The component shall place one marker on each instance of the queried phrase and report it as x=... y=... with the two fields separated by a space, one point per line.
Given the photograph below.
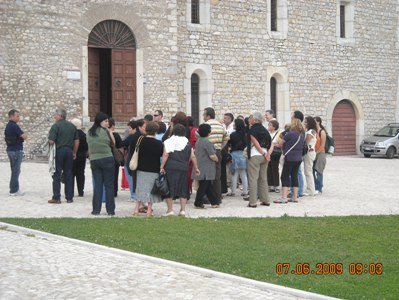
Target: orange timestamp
x=286 y=268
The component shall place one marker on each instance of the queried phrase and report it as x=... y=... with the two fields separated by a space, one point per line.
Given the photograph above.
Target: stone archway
x=128 y=16
x=282 y=109
x=205 y=88
x=112 y=70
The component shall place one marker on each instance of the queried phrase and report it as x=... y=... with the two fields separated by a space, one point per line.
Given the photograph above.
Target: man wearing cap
x=65 y=137
x=14 y=138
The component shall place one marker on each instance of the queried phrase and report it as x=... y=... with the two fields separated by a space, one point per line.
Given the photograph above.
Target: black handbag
x=160 y=186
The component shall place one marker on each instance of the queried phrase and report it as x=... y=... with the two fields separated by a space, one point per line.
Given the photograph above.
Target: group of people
x=249 y=151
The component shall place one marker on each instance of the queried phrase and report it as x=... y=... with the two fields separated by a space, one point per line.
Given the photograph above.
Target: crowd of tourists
x=248 y=155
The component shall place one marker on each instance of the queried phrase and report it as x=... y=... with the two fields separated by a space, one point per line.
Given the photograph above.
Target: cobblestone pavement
x=35 y=265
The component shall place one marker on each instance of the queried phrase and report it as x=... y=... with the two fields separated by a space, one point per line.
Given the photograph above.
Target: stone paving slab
x=36 y=265
x=353 y=186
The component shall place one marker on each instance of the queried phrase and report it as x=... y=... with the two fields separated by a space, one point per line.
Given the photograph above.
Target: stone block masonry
x=43 y=59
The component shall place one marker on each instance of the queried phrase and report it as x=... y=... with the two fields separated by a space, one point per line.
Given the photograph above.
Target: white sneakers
x=18 y=193
x=182 y=213
x=169 y=214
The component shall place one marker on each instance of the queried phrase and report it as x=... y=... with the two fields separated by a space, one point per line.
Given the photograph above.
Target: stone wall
x=43 y=42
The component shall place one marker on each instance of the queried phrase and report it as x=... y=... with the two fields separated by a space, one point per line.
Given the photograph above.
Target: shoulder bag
x=135 y=157
x=117 y=154
x=299 y=137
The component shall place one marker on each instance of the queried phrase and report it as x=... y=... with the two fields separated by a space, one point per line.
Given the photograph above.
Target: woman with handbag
x=273 y=176
x=102 y=163
x=175 y=159
x=149 y=151
x=292 y=145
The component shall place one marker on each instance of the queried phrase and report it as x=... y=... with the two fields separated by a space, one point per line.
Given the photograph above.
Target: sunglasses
x=156 y=115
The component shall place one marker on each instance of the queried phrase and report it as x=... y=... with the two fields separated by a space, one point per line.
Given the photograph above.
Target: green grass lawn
x=252 y=247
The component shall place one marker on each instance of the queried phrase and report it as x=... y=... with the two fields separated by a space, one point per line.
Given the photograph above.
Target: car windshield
x=388 y=131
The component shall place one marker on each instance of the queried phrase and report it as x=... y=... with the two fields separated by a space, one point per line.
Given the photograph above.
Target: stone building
x=337 y=59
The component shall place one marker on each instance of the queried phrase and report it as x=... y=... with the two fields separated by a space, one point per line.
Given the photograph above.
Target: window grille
x=195 y=11
x=342 y=21
x=111 y=34
x=273 y=15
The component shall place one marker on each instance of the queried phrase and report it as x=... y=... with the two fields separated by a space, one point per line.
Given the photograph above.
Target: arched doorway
x=344 y=128
x=112 y=71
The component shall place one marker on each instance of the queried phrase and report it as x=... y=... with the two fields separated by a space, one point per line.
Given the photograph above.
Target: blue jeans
x=300 y=183
x=103 y=175
x=63 y=163
x=130 y=181
x=318 y=181
x=15 y=164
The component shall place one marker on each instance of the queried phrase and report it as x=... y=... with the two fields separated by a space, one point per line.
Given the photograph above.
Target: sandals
x=252 y=206
x=281 y=201
x=265 y=203
x=202 y=206
x=143 y=209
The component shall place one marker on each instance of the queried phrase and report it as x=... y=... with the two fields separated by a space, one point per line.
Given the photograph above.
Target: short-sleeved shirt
x=63 y=133
x=218 y=134
x=12 y=134
x=289 y=140
x=203 y=149
x=237 y=141
x=260 y=133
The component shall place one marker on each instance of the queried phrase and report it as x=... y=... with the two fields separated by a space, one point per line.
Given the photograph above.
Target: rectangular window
x=195 y=11
x=273 y=15
x=342 y=21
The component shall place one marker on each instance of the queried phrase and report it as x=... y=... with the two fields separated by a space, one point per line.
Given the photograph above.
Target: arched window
x=111 y=34
x=273 y=95
x=195 y=11
x=195 y=84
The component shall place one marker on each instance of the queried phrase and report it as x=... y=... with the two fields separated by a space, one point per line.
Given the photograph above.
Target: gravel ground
x=353 y=185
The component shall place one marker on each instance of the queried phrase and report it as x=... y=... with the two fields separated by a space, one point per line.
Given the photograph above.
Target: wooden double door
x=112 y=83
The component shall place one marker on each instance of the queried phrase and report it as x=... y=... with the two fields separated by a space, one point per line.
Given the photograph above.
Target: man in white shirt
x=228 y=123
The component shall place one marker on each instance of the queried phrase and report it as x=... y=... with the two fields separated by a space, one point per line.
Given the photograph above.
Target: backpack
x=329 y=145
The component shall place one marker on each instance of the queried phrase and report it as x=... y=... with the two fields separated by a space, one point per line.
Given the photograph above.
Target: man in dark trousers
x=65 y=137
x=14 y=138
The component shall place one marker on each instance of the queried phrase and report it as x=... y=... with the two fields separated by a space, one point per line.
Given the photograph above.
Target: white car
x=384 y=143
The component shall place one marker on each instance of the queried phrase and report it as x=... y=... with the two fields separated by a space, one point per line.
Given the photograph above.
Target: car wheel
x=367 y=155
x=390 y=152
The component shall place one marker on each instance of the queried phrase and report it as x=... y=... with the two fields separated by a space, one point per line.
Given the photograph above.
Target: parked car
x=384 y=143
